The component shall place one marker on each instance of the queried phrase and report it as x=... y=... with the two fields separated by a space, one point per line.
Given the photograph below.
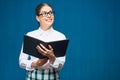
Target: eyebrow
x=46 y=11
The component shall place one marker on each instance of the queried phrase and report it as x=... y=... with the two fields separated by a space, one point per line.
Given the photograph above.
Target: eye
x=45 y=13
x=51 y=12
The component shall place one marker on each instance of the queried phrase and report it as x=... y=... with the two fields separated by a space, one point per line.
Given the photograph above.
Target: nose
x=48 y=15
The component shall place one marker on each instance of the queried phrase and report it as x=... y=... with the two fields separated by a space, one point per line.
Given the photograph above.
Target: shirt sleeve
x=24 y=62
x=59 y=63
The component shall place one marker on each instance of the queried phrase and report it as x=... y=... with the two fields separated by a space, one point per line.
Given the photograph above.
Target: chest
x=47 y=37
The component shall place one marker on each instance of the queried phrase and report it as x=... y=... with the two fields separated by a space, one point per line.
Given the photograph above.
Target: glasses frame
x=45 y=14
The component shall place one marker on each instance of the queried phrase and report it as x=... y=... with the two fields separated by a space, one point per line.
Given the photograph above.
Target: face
x=46 y=17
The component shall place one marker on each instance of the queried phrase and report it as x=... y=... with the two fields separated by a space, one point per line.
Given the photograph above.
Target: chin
x=49 y=24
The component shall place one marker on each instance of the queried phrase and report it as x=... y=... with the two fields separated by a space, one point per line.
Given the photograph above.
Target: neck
x=45 y=27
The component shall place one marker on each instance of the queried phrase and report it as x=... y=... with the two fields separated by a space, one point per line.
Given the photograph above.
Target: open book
x=30 y=43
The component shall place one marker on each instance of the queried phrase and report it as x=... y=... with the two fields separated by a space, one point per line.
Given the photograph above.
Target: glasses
x=45 y=14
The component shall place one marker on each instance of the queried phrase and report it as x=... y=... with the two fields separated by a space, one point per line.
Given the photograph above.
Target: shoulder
x=60 y=34
x=32 y=32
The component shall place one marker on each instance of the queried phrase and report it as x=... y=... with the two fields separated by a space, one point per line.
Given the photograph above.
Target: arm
x=54 y=62
x=32 y=63
x=24 y=62
x=59 y=63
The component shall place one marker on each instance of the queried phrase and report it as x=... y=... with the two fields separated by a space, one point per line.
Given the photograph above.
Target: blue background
x=93 y=27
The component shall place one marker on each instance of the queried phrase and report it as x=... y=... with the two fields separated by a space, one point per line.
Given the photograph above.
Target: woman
x=47 y=68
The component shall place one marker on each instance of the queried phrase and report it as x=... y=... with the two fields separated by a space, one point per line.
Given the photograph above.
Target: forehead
x=46 y=8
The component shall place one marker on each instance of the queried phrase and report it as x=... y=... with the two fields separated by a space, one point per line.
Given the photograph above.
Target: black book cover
x=30 y=43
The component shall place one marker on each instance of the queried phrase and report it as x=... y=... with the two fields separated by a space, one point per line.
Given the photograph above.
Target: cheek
x=42 y=20
x=53 y=19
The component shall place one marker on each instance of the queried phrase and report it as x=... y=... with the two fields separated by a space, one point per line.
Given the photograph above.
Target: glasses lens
x=46 y=13
x=50 y=13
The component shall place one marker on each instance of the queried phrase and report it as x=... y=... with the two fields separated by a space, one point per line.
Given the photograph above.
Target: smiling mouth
x=49 y=20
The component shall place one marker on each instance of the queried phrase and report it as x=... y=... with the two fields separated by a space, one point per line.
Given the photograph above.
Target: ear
x=37 y=18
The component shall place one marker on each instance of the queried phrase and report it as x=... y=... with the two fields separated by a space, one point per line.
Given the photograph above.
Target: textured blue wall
x=93 y=27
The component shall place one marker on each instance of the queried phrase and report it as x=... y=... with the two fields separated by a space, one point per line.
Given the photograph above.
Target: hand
x=46 y=52
x=39 y=62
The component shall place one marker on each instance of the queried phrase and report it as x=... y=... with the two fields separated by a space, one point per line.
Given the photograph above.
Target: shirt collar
x=46 y=32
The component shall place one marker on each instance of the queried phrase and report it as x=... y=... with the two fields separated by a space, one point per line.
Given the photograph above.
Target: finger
x=44 y=47
x=39 y=61
x=38 y=48
x=44 y=60
x=50 y=47
x=41 y=50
